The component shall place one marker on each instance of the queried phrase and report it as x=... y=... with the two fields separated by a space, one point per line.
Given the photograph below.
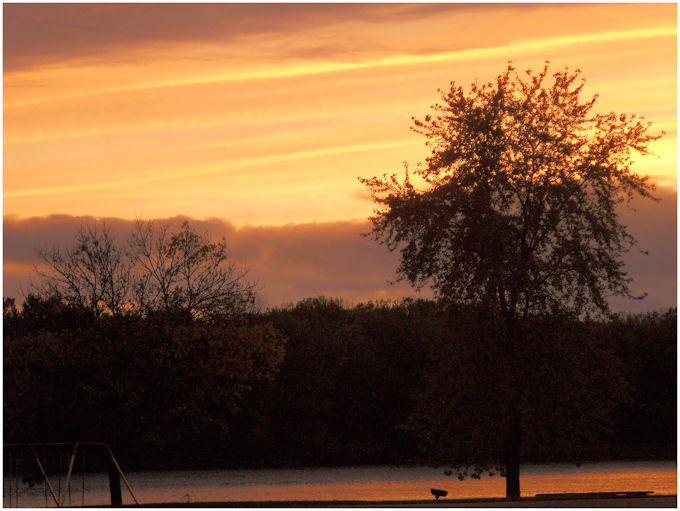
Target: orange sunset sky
x=256 y=120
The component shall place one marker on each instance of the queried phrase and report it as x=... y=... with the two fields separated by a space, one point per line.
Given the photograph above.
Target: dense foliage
x=571 y=382
x=171 y=390
x=153 y=387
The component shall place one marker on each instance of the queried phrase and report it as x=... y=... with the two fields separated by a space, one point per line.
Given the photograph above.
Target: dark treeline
x=317 y=383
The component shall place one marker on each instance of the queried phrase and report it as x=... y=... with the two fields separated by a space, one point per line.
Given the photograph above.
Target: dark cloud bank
x=333 y=259
x=46 y=33
x=289 y=262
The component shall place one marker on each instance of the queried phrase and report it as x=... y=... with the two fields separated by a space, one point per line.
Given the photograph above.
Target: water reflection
x=356 y=483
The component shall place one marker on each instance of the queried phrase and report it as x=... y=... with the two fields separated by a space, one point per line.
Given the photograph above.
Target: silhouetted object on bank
x=514 y=213
x=438 y=493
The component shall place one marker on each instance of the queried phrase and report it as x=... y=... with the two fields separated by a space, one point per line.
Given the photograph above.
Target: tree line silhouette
x=320 y=383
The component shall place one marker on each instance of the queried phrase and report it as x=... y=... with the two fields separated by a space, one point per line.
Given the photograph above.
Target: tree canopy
x=159 y=268
x=518 y=203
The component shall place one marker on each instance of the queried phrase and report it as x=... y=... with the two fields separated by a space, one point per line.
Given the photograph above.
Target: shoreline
x=652 y=501
x=406 y=464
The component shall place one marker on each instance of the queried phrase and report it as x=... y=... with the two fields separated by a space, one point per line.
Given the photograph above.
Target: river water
x=347 y=483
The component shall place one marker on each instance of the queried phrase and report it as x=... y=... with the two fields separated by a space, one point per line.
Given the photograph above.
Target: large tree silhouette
x=515 y=211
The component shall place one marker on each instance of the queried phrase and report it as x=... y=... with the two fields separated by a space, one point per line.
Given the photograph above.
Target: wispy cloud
x=299 y=69
x=168 y=175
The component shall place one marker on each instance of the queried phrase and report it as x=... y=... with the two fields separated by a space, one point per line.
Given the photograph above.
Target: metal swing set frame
x=60 y=499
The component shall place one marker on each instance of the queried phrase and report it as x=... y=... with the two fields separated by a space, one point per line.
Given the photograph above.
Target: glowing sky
x=255 y=121
x=267 y=114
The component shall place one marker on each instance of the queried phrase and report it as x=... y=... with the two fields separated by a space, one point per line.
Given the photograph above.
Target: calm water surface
x=353 y=483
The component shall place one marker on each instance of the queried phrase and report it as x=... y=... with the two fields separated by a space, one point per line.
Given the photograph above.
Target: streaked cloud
x=302 y=69
x=249 y=162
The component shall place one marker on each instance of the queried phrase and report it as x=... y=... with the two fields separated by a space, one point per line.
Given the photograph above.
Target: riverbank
x=655 y=501
x=361 y=486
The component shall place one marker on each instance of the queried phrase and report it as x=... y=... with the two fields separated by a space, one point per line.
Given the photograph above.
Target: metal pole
x=61 y=456
x=68 y=474
x=16 y=480
x=11 y=474
x=47 y=481
x=82 y=475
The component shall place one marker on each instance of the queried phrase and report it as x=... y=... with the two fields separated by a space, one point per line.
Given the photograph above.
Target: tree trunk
x=512 y=475
x=513 y=446
x=513 y=432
